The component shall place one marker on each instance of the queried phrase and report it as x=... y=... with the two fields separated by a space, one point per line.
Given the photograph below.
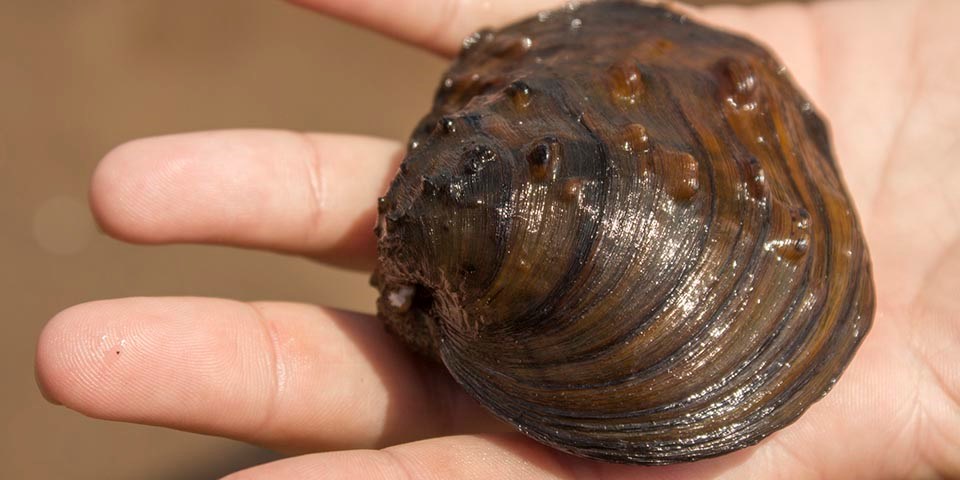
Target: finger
x=506 y=455
x=311 y=194
x=439 y=26
x=288 y=376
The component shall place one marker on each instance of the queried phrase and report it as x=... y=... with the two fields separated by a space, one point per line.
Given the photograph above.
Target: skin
x=305 y=379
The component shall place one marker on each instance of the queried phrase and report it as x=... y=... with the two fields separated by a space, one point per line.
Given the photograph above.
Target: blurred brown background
x=78 y=78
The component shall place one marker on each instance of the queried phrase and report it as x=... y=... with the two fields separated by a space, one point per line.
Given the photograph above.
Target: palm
x=303 y=378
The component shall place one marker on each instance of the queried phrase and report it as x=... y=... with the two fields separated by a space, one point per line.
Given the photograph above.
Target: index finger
x=437 y=25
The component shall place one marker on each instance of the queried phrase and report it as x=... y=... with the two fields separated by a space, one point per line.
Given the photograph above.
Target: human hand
x=300 y=378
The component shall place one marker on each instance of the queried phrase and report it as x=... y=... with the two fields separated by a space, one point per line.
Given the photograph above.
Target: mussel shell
x=625 y=233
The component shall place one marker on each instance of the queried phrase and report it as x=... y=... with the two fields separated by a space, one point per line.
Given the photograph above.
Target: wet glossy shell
x=625 y=233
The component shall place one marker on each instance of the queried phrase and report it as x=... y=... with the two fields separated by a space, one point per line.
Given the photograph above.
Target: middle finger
x=311 y=194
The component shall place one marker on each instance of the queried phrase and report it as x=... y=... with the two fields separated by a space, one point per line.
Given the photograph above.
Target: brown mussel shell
x=625 y=233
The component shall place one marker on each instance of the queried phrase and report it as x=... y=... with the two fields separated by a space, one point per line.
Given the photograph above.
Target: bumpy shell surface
x=625 y=233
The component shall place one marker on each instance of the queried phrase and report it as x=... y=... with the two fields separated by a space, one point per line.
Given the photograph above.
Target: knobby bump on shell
x=625 y=233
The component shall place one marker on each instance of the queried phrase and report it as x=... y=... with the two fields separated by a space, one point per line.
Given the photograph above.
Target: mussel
x=625 y=233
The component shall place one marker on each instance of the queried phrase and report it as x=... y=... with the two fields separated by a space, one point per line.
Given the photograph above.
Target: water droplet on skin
x=576 y=24
x=112 y=349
